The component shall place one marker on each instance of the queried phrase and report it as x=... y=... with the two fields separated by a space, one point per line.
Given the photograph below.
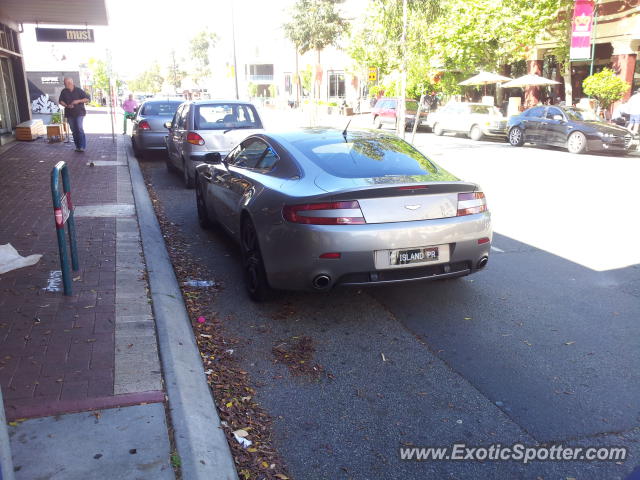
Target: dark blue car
x=578 y=131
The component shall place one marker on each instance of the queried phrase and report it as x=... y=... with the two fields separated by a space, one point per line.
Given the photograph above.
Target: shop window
x=336 y=84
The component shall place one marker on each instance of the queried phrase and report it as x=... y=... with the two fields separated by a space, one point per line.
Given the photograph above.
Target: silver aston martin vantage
x=317 y=208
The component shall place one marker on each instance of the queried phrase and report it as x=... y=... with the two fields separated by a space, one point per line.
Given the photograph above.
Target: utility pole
x=401 y=109
x=235 y=64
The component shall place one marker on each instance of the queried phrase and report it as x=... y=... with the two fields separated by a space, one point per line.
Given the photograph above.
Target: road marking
x=496 y=249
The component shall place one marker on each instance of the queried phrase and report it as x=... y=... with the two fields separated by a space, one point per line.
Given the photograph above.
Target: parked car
x=318 y=208
x=577 y=130
x=148 y=125
x=205 y=126
x=385 y=113
x=476 y=120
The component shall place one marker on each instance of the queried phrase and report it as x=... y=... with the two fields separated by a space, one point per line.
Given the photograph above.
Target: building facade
x=15 y=102
x=616 y=38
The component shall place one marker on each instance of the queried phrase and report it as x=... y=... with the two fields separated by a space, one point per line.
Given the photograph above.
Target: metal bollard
x=63 y=213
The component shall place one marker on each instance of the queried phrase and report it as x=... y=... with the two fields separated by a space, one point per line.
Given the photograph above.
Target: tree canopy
x=606 y=87
x=450 y=39
x=315 y=25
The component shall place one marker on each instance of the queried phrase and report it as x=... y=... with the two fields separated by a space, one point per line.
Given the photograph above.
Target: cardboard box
x=29 y=130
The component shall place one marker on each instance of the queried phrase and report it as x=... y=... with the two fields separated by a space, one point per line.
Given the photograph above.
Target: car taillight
x=195 y=139
x=329 y=213
x=144 y=125
x=471 y=203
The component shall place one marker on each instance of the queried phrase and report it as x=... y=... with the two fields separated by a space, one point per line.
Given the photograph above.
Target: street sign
x=373 y=74
x=83 y=35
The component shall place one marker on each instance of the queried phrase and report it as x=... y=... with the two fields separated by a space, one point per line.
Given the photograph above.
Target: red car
x=385 y=113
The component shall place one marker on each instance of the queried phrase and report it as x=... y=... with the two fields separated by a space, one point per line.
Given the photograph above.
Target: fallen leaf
x=240 y=432
x=229 y=404
x=281 y=476
x=384 y=359
x=467 y=318
x=569 y=343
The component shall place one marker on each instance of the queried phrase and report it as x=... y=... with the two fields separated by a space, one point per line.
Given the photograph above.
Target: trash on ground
x=199 y=283
x=10 y=259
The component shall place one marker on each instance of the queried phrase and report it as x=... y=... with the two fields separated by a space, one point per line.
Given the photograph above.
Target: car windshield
x=222 y=116
x=581 y=115
x=163 y=109
x=363 y=156
x=482 y=109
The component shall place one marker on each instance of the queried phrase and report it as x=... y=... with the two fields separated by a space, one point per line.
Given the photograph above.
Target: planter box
x=55 y=132
x=29 y=130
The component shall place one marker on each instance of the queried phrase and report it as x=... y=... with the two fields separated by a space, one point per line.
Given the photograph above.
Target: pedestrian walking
x=633 y=109
x=73 y=99
x=129 y=106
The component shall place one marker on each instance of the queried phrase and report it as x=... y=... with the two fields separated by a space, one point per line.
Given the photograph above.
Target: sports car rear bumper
x=291 y=252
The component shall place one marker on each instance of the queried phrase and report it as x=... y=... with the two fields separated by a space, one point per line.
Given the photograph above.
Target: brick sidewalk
x=61 y=354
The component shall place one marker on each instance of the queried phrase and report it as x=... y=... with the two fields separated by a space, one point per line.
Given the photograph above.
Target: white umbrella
x=530 y=80
x=485 y=78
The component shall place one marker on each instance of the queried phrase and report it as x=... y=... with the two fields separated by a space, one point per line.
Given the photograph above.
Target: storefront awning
x=67 y=12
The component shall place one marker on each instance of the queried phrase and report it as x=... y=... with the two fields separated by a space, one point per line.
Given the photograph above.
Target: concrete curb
x=6 y=463
x=201 y=443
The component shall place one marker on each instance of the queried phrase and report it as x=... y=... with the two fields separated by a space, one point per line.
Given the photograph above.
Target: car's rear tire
x=186 y=178
x=204 y=218
x=254 y=273
x=577 y=143
x=476 y=133
x=377 y=122
x=171 y=168
x=437 y=129
x=516 y=137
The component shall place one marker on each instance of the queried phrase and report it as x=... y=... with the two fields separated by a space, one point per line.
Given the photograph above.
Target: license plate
x=414 y=255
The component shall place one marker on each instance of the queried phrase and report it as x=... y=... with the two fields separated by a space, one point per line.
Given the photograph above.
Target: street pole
x=235 y=64
x=112 y=109
x=593 y=37
x=403 y=91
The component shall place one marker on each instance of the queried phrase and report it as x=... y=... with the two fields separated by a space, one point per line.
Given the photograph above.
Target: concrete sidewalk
x=82 y=370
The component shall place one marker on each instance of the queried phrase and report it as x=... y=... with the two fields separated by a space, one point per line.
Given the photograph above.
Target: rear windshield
x=163 y=109
x=364 y=156
x=221 y=116
x=483 y=109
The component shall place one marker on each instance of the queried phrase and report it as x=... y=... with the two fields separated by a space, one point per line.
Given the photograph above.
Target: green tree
x=605 y=87
x=175 y=72
x=99 y=74
x=315 y=25
x=199 y=47
x=149 y=81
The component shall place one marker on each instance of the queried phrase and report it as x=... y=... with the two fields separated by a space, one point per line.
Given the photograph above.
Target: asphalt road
x=542 y=346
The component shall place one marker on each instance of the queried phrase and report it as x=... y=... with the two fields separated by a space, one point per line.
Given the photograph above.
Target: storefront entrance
x=8 y=101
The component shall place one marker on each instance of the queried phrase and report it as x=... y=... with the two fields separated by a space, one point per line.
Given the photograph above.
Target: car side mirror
x=213 y=158
x=167 y=125
x=558 y=117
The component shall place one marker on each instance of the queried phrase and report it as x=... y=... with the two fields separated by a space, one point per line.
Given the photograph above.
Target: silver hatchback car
x=318 y=208
x=206 y=126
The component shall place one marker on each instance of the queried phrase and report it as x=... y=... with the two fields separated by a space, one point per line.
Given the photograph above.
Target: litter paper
x=10 y=259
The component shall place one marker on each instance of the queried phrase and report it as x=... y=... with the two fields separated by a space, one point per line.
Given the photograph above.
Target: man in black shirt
x=73 y=99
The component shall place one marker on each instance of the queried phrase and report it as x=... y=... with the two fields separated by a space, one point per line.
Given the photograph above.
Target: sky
x=143 y=31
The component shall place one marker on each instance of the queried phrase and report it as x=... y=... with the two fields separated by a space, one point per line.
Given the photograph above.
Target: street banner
x=581 y=28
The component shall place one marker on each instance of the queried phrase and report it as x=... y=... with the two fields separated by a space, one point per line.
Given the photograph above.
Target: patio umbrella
x=485 y=78
x=530 y=80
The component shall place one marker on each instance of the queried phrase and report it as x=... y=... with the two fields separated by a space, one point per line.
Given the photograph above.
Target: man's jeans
x=79 y=138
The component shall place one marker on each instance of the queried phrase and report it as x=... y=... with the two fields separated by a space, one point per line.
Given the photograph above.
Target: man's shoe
x=78 y=149
x=81 y=150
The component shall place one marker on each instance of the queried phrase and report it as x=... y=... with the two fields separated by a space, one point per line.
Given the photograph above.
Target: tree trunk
x=317 y=80
x=297 y=81
x=568 y=89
